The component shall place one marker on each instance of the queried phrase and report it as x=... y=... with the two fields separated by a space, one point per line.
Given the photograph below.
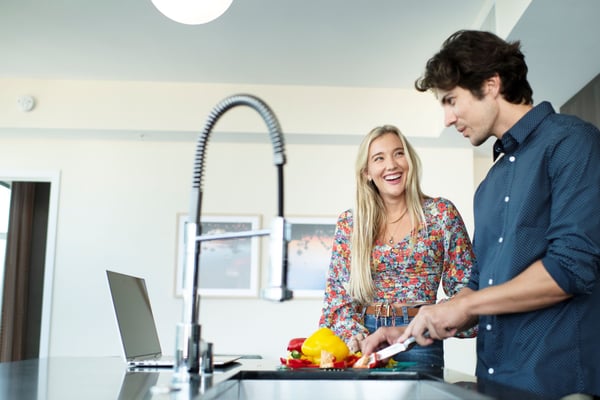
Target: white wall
x=120 y=193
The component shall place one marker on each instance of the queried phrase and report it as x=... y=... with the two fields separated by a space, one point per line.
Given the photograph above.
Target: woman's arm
x=458 y=262
x=339 y=312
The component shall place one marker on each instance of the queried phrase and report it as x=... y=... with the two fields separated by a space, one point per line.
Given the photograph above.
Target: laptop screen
x=134 y=316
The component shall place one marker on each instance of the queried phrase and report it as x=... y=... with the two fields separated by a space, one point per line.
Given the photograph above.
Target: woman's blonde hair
x=369 y=214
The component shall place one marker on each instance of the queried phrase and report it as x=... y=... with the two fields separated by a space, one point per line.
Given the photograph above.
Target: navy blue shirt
x=541 y=201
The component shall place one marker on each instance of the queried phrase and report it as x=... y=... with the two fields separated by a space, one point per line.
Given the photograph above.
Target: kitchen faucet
x=189 y=348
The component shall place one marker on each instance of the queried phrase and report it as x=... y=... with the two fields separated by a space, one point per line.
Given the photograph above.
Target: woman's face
x=387 y=166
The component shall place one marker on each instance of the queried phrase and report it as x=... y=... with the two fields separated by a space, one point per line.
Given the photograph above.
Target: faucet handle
x=207 y=358
x=277 y=289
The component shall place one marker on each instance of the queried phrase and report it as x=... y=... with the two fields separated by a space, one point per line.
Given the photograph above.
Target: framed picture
x=228 y=267
x=309 y=252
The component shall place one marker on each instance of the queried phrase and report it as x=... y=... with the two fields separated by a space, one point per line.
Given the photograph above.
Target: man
x=534 y=290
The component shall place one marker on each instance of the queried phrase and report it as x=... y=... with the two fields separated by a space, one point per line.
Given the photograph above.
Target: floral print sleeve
x=405 y=272
x=340 y=313
x=458 y=251
x=459 y=257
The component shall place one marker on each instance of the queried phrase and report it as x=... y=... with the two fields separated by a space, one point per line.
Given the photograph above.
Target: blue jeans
x=424 y=355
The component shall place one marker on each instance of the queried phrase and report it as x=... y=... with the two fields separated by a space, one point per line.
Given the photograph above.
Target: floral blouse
x=404 y=273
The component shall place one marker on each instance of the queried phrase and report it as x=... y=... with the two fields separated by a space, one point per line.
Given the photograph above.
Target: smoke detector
x=26 y=103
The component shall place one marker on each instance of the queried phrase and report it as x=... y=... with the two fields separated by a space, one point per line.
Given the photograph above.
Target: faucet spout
x=188 y=348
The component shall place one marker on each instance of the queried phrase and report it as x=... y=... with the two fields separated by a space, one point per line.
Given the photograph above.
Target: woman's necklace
x=391 y=241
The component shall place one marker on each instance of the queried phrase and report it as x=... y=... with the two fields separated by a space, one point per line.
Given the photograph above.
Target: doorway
x=31 y=248
x=4 y=211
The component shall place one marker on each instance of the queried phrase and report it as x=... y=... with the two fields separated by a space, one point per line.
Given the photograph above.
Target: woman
x=392 y=252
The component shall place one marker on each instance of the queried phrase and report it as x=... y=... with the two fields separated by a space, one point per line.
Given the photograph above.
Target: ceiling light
x=192 y=12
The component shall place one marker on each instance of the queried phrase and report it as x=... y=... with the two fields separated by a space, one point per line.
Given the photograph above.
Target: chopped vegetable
x=325 y=339
x=365 y=362
x=296 y=344
x=322 y=349
x=297 y=363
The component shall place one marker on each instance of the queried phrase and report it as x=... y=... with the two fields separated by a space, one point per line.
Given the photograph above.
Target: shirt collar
x=506 y=145
x=520 y=131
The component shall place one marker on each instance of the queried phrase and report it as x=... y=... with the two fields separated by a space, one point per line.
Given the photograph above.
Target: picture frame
x=228 y=267
x=309 y=254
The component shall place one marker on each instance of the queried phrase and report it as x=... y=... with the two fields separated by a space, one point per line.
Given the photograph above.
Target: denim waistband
x=373 y=322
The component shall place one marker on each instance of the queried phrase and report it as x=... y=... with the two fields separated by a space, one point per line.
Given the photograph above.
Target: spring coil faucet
x=188 y=345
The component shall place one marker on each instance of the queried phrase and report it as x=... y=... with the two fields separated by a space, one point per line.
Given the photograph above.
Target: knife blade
x=390 y=351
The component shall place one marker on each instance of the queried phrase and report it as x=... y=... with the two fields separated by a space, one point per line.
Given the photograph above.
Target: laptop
x=137 y=329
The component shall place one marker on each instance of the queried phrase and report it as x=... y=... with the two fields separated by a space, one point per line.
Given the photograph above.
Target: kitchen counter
x=108 y=378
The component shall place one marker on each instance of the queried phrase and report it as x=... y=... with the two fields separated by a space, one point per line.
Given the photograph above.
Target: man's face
x=472 y=117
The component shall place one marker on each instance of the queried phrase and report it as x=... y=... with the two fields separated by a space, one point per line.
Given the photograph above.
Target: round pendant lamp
x=192 y=12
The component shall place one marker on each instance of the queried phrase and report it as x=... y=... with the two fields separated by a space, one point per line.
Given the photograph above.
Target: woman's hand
x=355 y=341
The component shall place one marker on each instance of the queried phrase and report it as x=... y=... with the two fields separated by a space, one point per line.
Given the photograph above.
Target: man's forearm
x=531 y=290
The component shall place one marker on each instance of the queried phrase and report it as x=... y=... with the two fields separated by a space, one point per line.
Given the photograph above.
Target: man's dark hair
x=467 y=58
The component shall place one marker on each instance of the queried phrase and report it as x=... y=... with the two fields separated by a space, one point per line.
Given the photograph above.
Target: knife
x=390 y=351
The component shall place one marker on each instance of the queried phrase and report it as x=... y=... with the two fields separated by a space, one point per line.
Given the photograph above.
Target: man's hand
x=380 y=338
x=440 y=321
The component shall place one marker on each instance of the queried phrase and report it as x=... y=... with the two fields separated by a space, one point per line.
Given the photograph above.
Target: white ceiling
x=306 y=42
x=383 y=43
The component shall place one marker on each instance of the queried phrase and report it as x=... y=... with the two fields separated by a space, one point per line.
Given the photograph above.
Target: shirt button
x=488 y=327
x=506 y=199
x=500 y=239
x=491 y=281
x=511 y=158
x=490 y=371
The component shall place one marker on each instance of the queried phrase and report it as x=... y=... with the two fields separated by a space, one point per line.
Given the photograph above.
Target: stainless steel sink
x=272 y=385
x=351 y=390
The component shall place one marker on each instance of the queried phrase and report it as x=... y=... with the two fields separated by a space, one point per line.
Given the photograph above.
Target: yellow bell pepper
x=324 y=339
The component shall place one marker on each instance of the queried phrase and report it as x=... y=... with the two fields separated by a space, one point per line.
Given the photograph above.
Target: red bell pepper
x=296 y=344
x=297 y=363
x=350 y=360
